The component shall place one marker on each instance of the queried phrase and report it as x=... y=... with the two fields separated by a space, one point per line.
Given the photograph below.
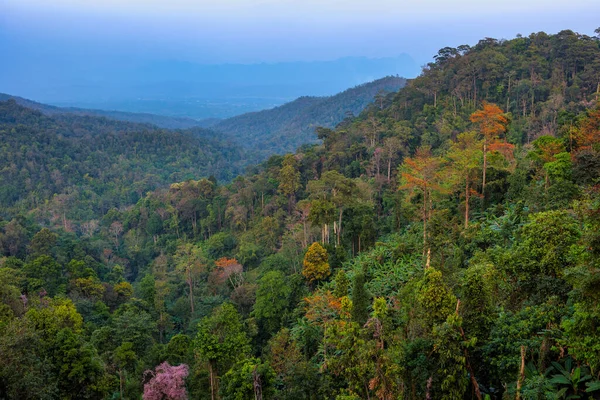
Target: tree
x=191 y=262
x=588 y=134
x=322 y=213
x=315 y=263
x=42 y=243
x=46 y=274
x=342 y=284
x=272 y=300
x=335 y=188
x=435 y=297
x=289 y=179
x=422 y=173
x=465 y=155
x=80 y=369
x=166 y=382
x=546 y=148
x=360 y=299
x=452 y=368
x=220 y=341
x=491 y=122
x=116 y=229
x=134 y=325
x=124 y=358
x=227 y=270
x=392 y=147
x=248 y=378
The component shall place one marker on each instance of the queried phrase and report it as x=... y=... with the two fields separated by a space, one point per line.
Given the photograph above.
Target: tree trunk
x=521 y=374
x=121 y=383
x=256 y=385
x=339 y=228
x=467 y=203
x=214 y=389
x=190 y=284
x=428 y=388
x=305 y=243
x=484 y=168
x=468 y=364
x=424 y=221
x=389 y=169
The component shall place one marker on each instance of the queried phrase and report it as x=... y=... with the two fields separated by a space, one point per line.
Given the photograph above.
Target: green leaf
x=593 y=386
x=560 y=379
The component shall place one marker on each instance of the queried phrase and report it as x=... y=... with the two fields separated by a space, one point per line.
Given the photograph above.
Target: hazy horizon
x=104 y=53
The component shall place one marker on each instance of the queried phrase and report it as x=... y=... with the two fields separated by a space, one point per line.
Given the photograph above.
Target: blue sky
x=250 y=31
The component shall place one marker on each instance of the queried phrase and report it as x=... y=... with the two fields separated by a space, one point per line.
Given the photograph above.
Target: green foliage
x=246 y=379
x=221 y=337
x=361 y=299
x=452 y=362
x=547 y=240
x=435 y=297
x=272 y=301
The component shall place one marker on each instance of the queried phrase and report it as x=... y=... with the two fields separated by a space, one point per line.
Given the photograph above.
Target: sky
x=254 y=31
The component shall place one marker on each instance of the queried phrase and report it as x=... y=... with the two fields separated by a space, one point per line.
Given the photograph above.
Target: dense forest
x=80 y=167
x=444 y=244
x=285 y=128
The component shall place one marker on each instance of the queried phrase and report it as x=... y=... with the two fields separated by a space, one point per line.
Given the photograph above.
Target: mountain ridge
x=293 y=124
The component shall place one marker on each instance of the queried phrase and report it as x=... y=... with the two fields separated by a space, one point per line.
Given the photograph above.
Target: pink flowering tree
x=166 y=382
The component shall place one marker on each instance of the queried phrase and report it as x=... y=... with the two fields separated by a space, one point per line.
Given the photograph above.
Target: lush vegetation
x=442 y=245
x=79 y=167
x=285 y=128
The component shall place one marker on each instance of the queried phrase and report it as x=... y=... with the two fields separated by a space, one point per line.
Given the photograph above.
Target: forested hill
x=161 y=121
x=87 y=165
x=285 y=128
x=445 y=244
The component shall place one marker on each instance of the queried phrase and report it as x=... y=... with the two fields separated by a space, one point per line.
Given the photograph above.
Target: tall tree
x=422 y=173
x=191 y=262
x=491 y=122
x=393 y=147
x=337 y=189
x=465 y=156
x=221 y=341
x=289 y=179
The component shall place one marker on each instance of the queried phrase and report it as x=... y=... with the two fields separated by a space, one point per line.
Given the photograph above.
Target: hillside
x=161 y=121
x=444 y=244
x=285 y=128
x=99 y=162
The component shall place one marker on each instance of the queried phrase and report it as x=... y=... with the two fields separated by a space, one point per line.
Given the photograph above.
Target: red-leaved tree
x=166 y=382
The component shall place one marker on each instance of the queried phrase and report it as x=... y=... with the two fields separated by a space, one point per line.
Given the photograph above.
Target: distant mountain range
x=184 y=89
x=276 y=130
x=161 y=121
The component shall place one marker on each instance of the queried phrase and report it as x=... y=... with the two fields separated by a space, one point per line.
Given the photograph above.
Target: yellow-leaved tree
x=316 y=265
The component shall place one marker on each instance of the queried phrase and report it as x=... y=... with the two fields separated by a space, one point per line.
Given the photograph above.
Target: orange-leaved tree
x=588 y=134
x=227 y=270
x=491 y=122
